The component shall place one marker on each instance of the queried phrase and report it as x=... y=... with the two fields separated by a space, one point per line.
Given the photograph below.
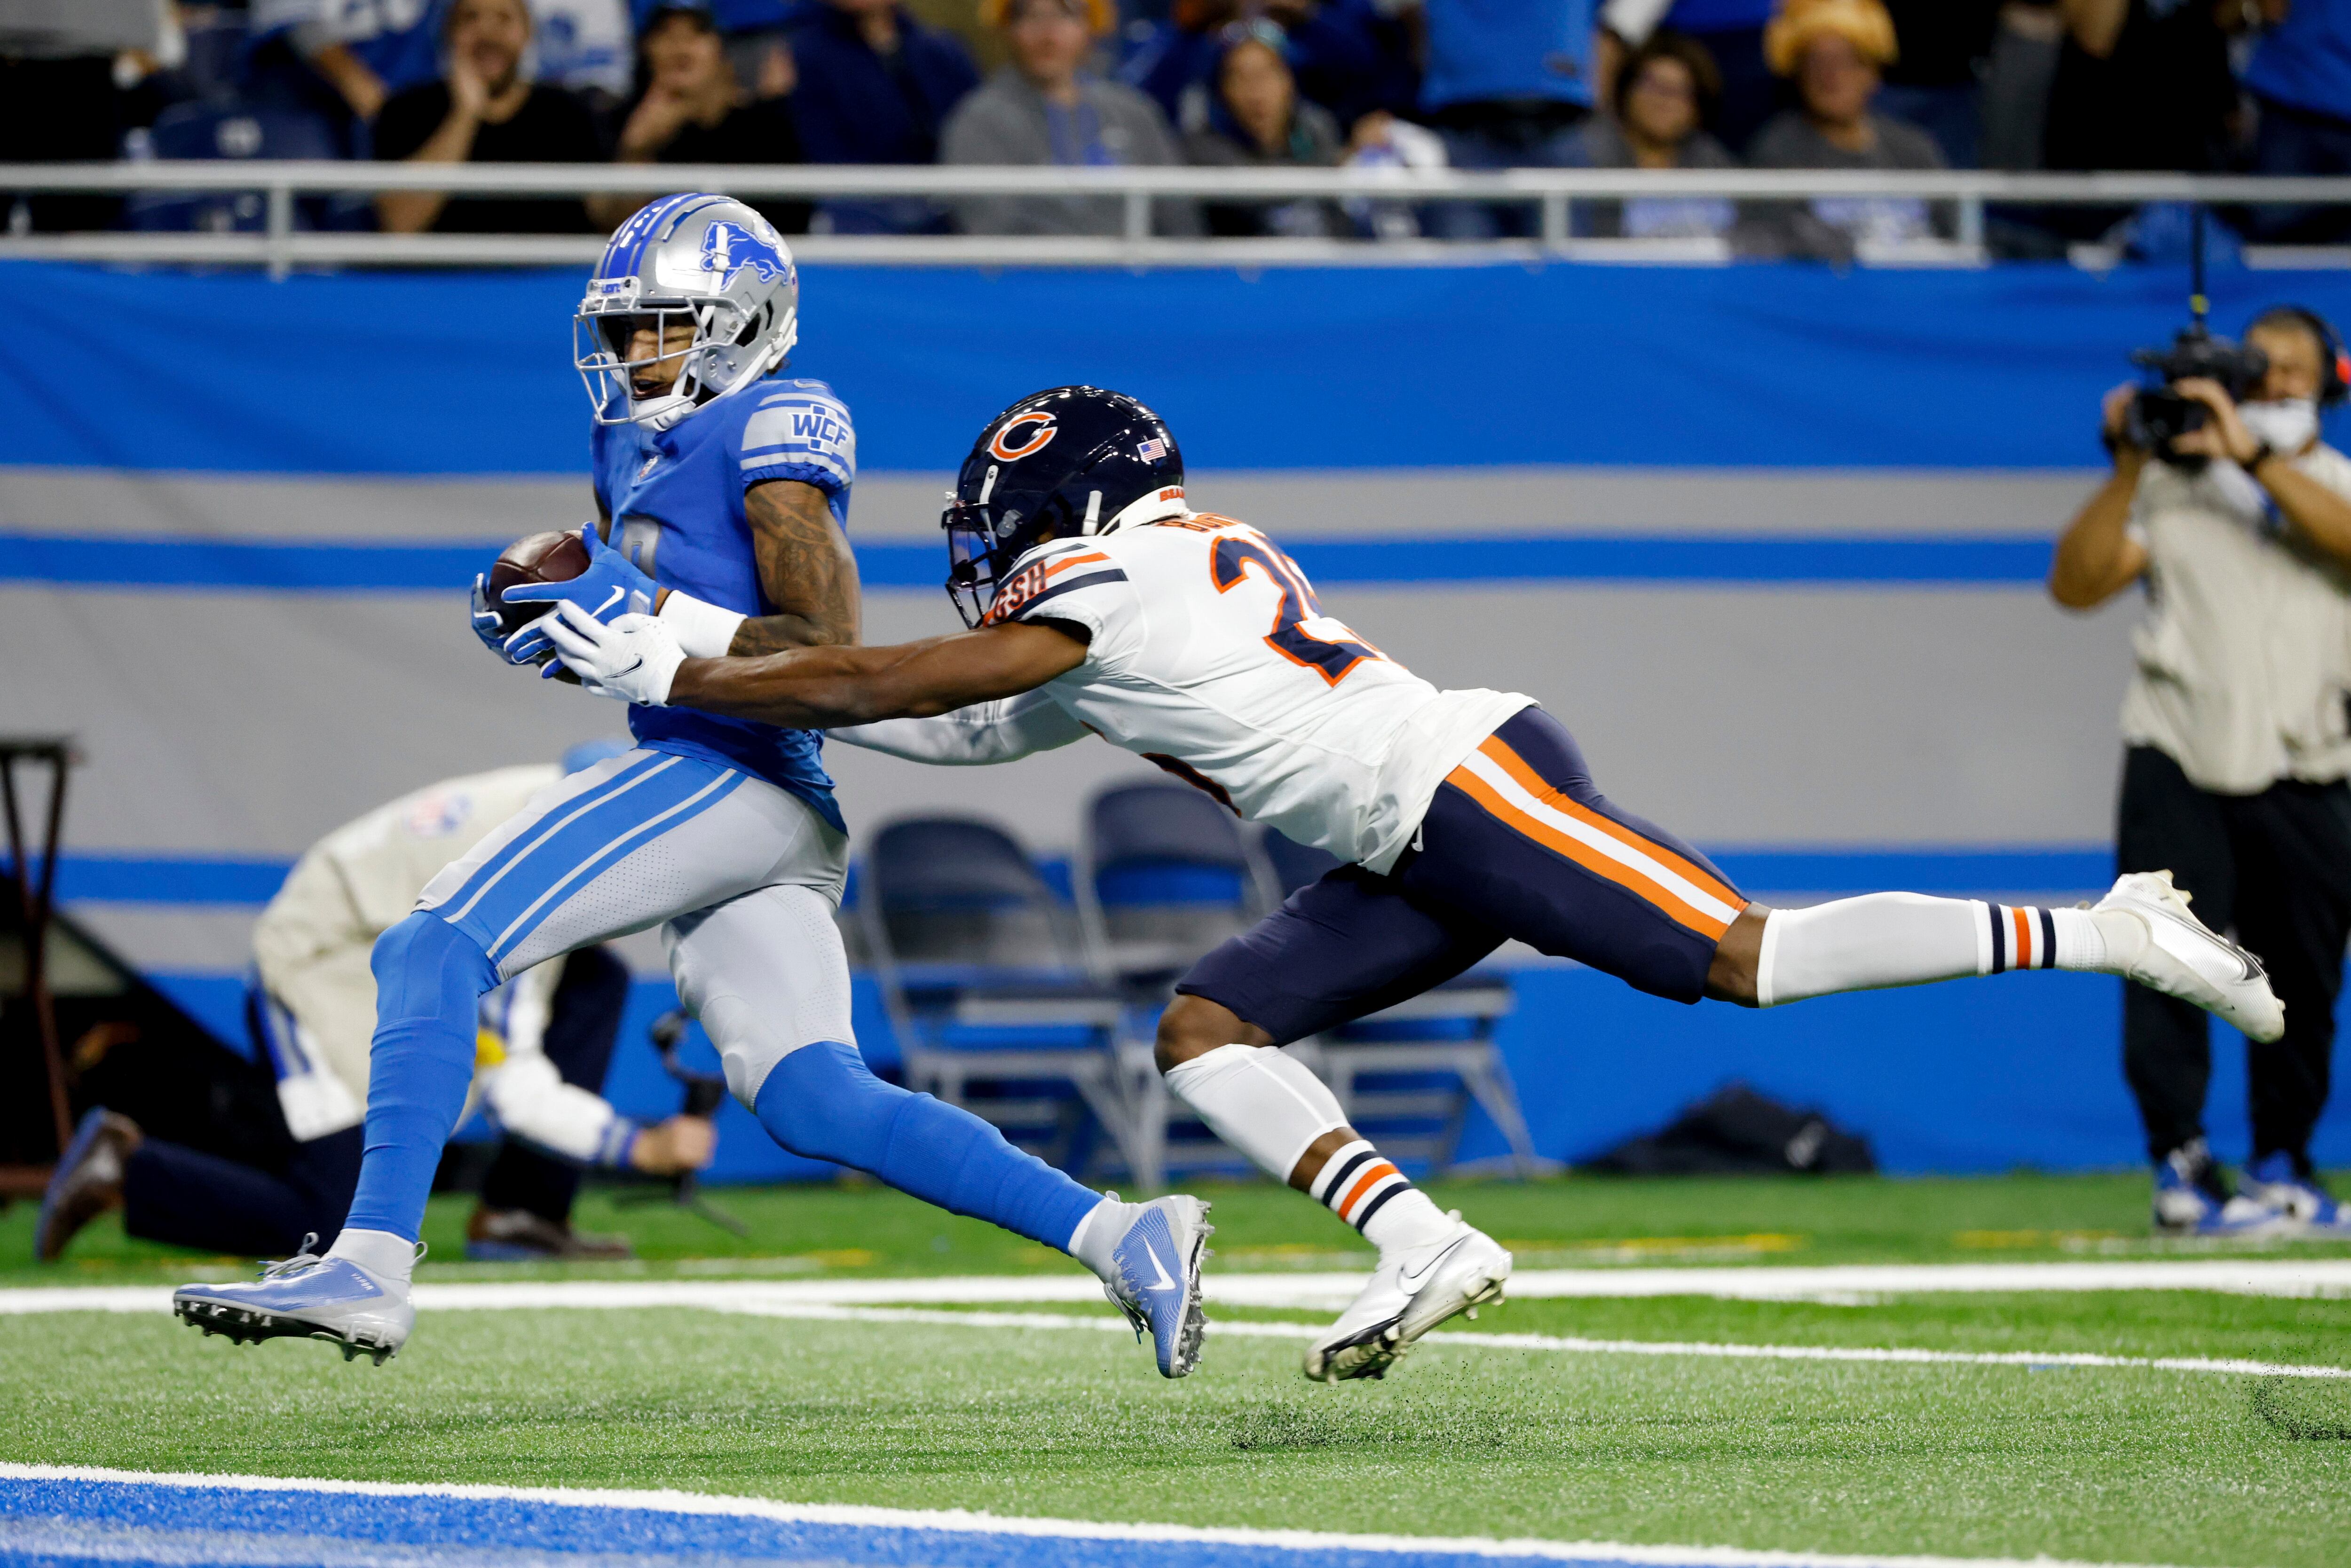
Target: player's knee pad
x=822 y=1102
x=427 y=969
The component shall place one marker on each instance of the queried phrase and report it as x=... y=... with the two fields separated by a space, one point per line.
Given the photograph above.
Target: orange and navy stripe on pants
x=1677 y=886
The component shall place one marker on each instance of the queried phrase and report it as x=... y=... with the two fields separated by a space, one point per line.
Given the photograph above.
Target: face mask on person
x=2286 y=425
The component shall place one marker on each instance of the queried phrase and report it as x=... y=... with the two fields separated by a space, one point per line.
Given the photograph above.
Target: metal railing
x=281 y=244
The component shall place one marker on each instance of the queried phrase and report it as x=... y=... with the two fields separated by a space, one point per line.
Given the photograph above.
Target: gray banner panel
x=247 y=724
x=1432 y=502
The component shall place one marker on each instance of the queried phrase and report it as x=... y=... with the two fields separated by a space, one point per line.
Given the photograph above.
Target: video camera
x=2159 y=417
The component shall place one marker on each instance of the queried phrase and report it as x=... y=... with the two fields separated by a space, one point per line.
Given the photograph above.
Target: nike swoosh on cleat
x=1410 y=1285
x=1164 y=1283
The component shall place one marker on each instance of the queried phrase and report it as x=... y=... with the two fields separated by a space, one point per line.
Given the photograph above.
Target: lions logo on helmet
x=700 y=261
x=727 y=248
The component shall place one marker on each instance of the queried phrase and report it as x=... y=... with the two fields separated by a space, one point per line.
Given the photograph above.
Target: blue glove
x=610 y=588
x=485 y=618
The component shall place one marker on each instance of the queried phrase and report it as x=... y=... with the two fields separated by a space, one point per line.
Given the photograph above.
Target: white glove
x=632 y=658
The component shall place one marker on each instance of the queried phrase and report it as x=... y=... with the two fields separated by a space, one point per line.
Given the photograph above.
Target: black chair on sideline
x=998 y=1003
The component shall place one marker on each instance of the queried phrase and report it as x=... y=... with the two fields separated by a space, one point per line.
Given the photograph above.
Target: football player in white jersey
x=1099 y=603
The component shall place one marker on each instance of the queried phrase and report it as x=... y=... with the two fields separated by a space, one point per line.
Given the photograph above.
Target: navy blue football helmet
x=1069 y=463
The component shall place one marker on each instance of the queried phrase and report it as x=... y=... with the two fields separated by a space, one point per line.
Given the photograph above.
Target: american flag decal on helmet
x=1152 y=451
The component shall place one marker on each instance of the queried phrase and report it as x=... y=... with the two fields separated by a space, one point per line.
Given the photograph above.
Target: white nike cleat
x=1410 y=1294
x=2184 y=957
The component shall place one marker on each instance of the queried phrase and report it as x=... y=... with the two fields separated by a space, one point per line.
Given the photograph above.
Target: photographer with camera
x=2237 y=729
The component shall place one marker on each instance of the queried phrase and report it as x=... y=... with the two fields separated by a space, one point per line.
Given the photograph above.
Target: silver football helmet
x=696 y=259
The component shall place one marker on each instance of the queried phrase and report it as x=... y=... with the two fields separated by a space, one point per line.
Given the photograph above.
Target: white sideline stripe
x=2308 y=1277
x=963 y=1522
x=589 y=1295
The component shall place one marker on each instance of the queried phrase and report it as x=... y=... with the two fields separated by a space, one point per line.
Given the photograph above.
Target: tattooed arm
x=806 y=569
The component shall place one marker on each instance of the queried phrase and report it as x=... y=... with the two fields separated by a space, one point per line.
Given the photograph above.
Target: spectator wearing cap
x=1660 y=99
x=694 y=109
x=1257 y=120
x=875 y=87
x=2301 y=81
x=485 y=111
x=1046 y=108
x=1507 y=82
x=1833 y=51
x=1352 y=56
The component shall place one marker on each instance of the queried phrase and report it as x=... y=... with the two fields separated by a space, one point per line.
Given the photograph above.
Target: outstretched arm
x=638 y=659
x=1002 y=731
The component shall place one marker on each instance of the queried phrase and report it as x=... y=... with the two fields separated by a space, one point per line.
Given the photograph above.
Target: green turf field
x=2121 y=1465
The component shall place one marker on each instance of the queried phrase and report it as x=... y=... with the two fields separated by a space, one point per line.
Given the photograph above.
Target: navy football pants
x=1517 y=843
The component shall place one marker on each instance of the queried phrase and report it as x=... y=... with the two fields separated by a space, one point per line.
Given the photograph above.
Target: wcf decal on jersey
x=727 y=248
x=1023 y=434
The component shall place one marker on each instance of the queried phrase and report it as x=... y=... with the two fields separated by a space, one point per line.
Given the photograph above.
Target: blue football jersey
x=675 y=497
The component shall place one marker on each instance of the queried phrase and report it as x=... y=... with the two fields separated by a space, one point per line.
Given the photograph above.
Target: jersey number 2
x=1329 y=657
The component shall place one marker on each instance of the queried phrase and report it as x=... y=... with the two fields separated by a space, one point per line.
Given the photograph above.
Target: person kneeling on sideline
x=544 y=1042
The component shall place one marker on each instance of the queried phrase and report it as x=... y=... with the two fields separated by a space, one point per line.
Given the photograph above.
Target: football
x=541 y=558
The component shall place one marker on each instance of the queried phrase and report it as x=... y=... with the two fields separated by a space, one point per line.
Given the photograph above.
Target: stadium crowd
x=2262 y=86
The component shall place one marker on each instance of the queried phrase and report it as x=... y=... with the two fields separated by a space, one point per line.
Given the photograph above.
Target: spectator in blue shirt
x=875 y=87
x=2300 y=81
x=340 y=59
x=1507 y=82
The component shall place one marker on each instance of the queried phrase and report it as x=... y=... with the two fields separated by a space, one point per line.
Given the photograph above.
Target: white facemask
x=2288 y=424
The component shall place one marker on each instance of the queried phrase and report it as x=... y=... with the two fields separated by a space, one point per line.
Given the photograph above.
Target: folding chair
x=1447 y=1032
x=1162 y=875
x=988 y=984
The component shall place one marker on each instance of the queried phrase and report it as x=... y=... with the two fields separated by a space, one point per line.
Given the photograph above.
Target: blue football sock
x=429 y=980
x=823 y=1103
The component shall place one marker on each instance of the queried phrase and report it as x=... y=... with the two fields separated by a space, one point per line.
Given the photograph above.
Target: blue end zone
x=49 y=1520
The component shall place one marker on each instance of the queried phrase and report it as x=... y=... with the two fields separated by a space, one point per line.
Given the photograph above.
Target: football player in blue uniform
x=724 y=490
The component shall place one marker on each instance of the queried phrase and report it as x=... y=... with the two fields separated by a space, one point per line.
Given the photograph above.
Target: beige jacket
x=313 y=941
x=2243 y=661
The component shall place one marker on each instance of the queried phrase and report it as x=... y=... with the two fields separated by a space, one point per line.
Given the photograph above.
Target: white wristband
x=703 y=630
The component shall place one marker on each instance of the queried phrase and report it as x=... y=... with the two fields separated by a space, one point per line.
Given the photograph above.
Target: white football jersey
x=1210 y=657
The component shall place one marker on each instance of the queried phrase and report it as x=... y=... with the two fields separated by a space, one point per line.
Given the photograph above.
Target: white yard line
x=790 y=1300
x=959 y=1521
x=1329 y=1291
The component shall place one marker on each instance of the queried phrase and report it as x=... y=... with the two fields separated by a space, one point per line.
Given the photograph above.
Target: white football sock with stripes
x=1908 y=939
x=1363 y=1187
x=1262 y=1103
